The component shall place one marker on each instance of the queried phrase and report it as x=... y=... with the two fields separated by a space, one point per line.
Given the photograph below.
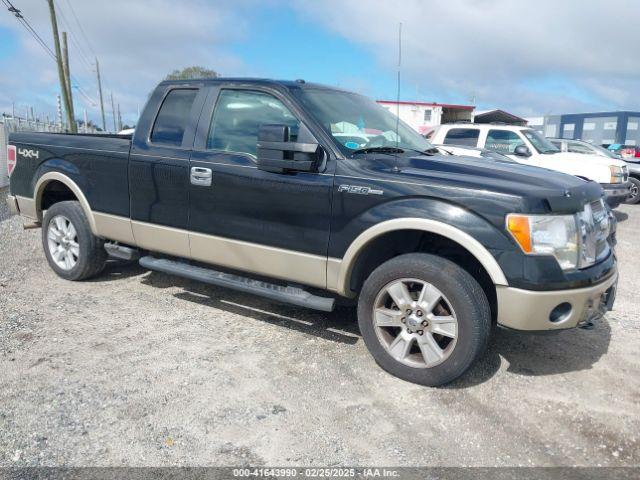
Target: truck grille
x=594 y=228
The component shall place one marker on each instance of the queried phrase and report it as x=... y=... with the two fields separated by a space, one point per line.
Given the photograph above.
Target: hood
x=585 y=157
x=539 y=188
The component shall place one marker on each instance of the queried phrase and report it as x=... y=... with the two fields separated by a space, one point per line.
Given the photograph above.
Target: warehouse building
x=423 y=116
x=601 y=128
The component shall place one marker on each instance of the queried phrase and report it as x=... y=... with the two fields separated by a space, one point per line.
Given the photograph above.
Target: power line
x=74 y=38
x=25 y=23
x=82 y=32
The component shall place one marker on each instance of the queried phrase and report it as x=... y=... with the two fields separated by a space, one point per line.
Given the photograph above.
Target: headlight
x=555 y=235
x=617 y=174
x=576 y=241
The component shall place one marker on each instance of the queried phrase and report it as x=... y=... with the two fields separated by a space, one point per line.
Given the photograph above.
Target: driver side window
x=238 y=116
x=503 y=141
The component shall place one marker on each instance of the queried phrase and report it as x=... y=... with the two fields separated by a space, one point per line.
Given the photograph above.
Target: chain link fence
x=15 y=124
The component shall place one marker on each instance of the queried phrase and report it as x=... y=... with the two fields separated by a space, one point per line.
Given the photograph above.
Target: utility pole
x=67 y=75
x=63 y=86
x=58 y=111
x=104 y=122
x=119 y=119
x=113 y=112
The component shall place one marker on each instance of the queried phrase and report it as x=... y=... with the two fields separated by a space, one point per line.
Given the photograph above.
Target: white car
x=527 y=146
x=472 y=152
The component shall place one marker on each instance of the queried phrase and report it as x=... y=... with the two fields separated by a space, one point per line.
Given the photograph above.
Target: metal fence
x=15 y=124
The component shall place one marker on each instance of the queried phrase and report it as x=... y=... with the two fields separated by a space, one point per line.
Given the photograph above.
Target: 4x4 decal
x=28 y=153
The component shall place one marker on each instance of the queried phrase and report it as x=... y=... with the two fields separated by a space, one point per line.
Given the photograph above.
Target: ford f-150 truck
x=305 y=194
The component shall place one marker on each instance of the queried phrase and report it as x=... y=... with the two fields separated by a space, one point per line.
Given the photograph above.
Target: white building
x=424 y=116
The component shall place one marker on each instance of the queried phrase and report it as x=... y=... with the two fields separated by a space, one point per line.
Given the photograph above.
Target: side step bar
x=291 y=295
x=121 y=252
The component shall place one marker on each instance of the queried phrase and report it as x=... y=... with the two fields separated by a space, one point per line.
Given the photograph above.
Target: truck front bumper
x=616 y=193
x=12 y=202
x=554 y=310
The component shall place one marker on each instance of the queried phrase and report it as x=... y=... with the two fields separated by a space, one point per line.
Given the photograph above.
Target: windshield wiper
x=378 y=150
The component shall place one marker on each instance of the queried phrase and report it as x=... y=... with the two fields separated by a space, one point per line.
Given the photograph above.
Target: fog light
x=560 y=313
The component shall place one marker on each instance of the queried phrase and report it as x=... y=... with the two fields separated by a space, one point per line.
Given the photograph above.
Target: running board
x=291 y=295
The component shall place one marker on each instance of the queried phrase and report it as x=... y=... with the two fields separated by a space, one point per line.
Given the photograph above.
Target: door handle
x=201 y=176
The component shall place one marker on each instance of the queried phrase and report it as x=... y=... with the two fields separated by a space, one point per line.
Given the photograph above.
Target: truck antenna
x=398 y=91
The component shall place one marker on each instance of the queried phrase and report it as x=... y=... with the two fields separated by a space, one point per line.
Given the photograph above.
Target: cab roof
x=290 y=84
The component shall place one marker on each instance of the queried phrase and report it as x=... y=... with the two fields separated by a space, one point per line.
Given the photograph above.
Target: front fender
x=483 y=240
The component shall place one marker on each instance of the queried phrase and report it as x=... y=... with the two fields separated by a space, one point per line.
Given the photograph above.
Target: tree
x=191 y=73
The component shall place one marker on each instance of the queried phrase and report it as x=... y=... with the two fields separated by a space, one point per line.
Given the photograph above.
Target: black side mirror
x=277 y=153
x=522 y=151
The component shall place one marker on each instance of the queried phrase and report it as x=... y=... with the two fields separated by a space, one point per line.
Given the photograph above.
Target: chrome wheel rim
x=633 y=190
x=62 y=239
x=415 y=323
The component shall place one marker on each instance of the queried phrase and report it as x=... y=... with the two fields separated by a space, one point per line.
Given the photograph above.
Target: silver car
x=580 y=146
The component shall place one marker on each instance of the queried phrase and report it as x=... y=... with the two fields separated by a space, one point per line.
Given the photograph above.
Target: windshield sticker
x=351 y=145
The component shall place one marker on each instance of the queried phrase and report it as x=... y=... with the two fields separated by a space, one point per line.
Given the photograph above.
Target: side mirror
x=277 y=153
x=522 y=151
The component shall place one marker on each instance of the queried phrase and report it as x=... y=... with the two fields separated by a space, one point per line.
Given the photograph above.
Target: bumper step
x=278 y=293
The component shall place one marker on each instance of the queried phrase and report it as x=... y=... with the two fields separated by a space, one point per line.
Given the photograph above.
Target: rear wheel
x=634 y=193
x=73 y=252
x=423 y=318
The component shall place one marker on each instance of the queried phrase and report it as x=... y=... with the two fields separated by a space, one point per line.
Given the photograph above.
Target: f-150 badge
x=359 y=190
x=28 y=153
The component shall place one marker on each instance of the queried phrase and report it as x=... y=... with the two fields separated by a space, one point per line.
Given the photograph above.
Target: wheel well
x=392 y=244
x=54 y=192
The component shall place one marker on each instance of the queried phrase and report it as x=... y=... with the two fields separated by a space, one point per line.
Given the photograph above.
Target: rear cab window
x=173 y=116
x=575 y=147
x=462 y=136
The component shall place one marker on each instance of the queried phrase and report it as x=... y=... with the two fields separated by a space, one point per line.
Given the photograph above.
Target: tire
x=461 y=300
x=73 y=252
x=635 y=192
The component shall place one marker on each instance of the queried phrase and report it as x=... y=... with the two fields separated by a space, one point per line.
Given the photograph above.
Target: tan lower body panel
x=250 y=257
x=159 y=238
x=529 y=310
x=245 y=256
x=333 y=273
x=114 y=227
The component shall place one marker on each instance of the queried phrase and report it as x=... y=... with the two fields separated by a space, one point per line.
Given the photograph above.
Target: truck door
x=506 y=141
x=159 y=170
x=249 y=219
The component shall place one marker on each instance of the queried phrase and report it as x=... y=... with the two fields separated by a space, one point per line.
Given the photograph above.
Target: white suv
x=527 y=146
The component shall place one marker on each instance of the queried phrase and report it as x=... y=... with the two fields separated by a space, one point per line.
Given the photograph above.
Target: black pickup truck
x=305 y=194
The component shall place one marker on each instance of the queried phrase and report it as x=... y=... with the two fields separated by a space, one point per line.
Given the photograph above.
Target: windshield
x=357 y=122
x=541 y=144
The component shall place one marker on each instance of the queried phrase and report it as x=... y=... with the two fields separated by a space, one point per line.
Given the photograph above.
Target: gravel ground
x=141 y=368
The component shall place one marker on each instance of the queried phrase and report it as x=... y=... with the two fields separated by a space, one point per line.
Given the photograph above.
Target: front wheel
x=634 y=192
x=73 y=252
x=423 y=318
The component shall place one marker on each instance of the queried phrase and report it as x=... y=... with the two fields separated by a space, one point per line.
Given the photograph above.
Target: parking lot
x=141 y=368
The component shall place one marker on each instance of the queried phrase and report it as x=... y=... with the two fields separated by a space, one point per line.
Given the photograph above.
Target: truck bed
x=98 y=164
